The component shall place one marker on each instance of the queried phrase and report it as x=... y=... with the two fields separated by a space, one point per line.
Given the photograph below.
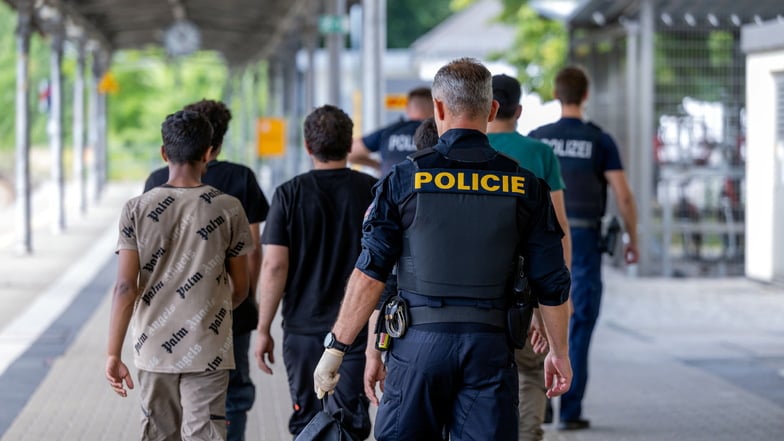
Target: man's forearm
x=556 y=322
x=122 y=309
x=362 y=294
x=271 y=287
x=628 y=211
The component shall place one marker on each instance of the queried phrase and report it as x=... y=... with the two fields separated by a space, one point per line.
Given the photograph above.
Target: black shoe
x=548 y=413
x=574 y=424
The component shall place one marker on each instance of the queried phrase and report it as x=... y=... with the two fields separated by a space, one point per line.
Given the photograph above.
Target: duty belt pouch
x=518 y=318
x=518 y=321
x=610 y=230
x=383 y=340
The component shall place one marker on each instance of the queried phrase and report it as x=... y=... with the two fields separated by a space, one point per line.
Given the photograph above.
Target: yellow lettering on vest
x=461 y=184
x=475 y=181
x=505 y=183
x=486 y=185
x=518 y=184
x=421 y=178
x=445 y=180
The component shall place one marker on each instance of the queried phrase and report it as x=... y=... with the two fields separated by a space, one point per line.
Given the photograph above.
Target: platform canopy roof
x=241 y=30
x=678 y=13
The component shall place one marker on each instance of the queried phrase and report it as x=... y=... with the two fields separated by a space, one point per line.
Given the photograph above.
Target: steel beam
x=23 y=211
x=57 y=38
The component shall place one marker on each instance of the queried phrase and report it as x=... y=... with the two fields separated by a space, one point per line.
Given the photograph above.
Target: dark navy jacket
x=394 y=206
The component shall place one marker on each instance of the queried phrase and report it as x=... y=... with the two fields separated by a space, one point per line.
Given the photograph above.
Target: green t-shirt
x=531 y=154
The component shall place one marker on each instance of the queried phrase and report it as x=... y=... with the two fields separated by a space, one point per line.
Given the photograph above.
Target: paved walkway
x=686 y=359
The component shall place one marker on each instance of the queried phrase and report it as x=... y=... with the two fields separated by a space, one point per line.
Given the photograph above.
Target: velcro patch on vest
x=469 y=181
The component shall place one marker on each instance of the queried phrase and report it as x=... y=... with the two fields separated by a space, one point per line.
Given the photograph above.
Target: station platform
x=685 y=359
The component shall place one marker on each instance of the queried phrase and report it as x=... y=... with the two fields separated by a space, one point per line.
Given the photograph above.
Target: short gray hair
x=465 y=86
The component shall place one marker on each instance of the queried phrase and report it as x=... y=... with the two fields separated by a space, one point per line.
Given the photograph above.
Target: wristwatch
x=331 y=342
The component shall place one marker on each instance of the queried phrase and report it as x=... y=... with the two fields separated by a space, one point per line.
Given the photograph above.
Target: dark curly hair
x=218 y=115
x=328 y=132
x=186 y=136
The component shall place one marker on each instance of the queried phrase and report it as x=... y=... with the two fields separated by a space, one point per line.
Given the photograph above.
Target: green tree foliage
x=540 y=47
x=407 y=20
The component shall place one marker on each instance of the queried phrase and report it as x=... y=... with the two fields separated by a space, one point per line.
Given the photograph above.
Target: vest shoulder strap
x=420 y=154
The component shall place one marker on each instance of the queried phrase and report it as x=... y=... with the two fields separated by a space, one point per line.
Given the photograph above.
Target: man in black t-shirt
x=311 y=241
x=239 y=181
x=394 y=142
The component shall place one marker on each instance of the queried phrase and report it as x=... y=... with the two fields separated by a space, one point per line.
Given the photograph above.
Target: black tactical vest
x=580 y=158
x=462 y=240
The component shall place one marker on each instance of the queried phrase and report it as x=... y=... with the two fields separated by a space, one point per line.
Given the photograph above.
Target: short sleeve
x=241 y=242
x=612 y=158
x=127 y=237
x=373 y=140
x=553 y=174
x=256 y=205
x=275 y=228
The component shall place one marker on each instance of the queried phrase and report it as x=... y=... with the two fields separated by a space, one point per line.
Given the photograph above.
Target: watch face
x=182 y=38
x=329 y=340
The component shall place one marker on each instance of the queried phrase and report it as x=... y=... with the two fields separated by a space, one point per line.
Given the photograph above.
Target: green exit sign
x=333 y=24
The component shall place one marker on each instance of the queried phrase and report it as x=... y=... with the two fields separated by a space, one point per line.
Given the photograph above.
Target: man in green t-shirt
x=540 y=159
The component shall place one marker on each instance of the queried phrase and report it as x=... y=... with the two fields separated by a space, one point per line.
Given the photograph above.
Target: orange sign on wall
x=271 y=135
x=396 y=101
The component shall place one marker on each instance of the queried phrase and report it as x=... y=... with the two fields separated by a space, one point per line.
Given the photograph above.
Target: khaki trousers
x=533 y=398
x=188 y=406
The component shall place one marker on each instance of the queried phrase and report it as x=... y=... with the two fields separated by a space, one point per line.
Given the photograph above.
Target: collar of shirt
x=465 y=145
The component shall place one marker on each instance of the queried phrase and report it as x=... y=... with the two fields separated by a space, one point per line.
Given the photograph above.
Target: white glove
x=326 y=376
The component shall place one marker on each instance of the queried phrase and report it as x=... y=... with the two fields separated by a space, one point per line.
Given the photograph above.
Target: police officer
x=454 y=218
x=589 y=161
x=394 y=142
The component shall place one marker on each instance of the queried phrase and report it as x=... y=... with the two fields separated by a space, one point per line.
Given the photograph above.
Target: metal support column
x=92 y=124
x=57 y=34
x=335 y=44
x=310 y=39
x=78 y=128
x=289 y=79
x=103 y=144
x=97 y=121
x=646 y=133
x=374 y=31
x=23 y=222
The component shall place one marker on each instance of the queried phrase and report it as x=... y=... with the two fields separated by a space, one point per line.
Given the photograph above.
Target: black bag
x=325 y=427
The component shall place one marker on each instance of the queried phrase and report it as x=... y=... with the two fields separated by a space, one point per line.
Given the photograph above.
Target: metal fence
x=698 y=151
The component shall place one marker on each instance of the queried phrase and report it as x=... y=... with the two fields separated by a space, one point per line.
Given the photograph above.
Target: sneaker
x=579 y=424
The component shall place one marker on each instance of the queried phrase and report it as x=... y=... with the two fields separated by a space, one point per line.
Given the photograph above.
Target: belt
x=584 y=223
x=420 y=315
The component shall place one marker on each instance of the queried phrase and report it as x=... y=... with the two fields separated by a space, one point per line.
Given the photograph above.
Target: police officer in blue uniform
x=589 y=162
x=395 y=141
x=456 y=219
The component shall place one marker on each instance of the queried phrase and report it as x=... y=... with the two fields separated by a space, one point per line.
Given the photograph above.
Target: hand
x=116 y=372
x=630 y=253
x=326 y=376
x=375 y=372
x=557 y=374
x=265 y=345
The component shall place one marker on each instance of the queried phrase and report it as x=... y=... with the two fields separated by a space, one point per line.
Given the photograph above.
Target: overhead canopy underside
x=241 y=30
x=677 y=13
